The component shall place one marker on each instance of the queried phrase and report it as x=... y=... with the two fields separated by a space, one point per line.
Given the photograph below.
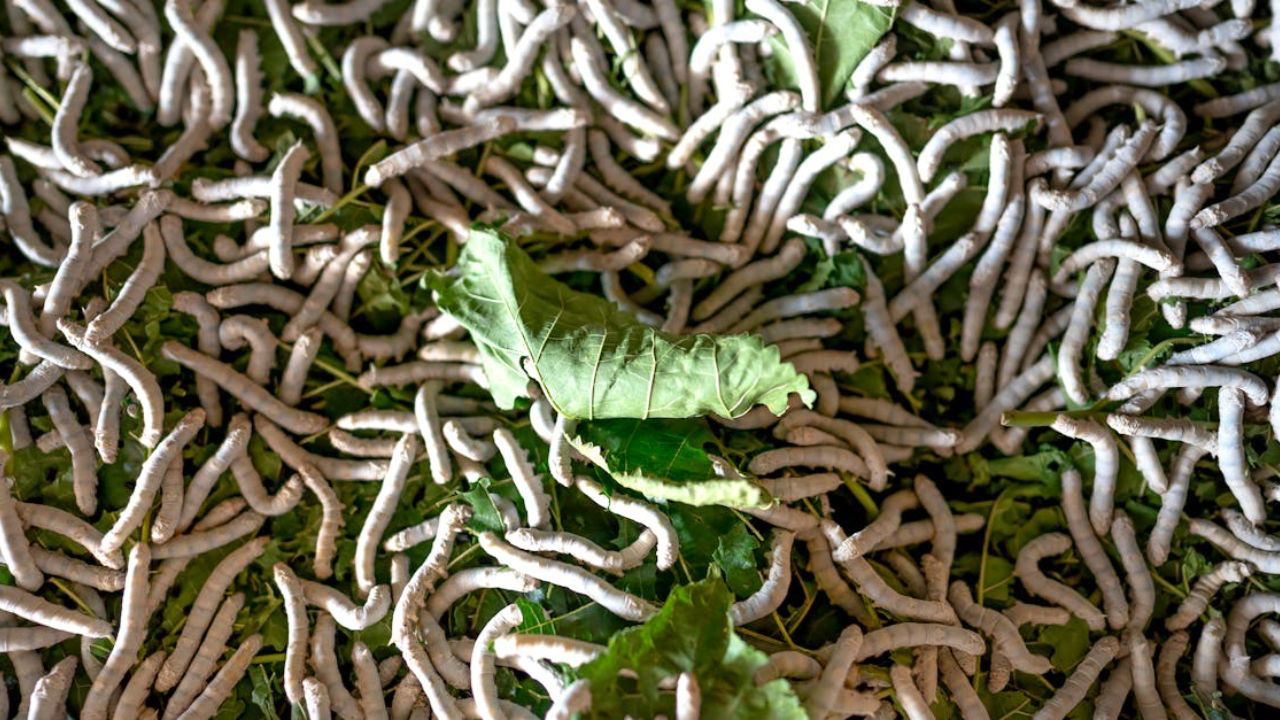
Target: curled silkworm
x=1206 y=586
x=1037 y=584
x=1106 y=467
x=1003 y=631
x=65 y=124
x=314 y=114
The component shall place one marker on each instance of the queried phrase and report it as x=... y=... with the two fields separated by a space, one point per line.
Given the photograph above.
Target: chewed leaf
x=592 y=360
x=691 y=632
x=664 y=459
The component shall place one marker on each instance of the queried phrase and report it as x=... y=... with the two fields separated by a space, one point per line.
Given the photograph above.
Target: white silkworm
x=968 y=126
x=774 y=589
x=224 y=681
x=75 y=438
x=1091 y=551
x=536 y=501
x=65 y=124
x=1255 y=390
x=314 y=114
x=284 y=181
x=1037 y=584
x=298 y=630
x=348 y=614
x=236 y=332
x=248 y=392
x=248 y=85
x=379 y=516
x=214 y=64
x=1263 y=560
x=1142 y=592
x=1106 y=466
x=49 y=697
x=14 y=547
x=198 y=542
x=323 y=659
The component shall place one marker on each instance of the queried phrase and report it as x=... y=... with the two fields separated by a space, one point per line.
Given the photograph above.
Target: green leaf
x=691 y=632
x=263 y=694
x=665 y=459
x=485 y=515
x=736 y=557
x=592 y=360
x=1070 y=643
x=841 y=32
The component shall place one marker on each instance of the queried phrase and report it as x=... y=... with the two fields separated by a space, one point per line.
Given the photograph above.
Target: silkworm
x=1077 y=684
x=379 y=516
x=437 y=146
x=42 y=612
x=1114 y=691
x=49 y=697
x=616 y=601
x=224 y=681
x=298 y=630
x=14 y=547
x=920 y=289
x=1003 y=631
x=1106 y=466
x=733 y=132
x=324 y=661
x=311 y=112
x=1037 y=584
x=407 y=609
x=708 y=47
x=65 y=145
x=149 y=478
x=1090 y=549
x=41 y=378
x=1206 y=586
x=1205 y=661
x=914 y=634
x=17 y=215
x=1254 y=389
x=199 y=542
x=202 y=611
x=774 y=589
x=1171 y=651
x=1235 y=671
x=251 y=394
x=84 y=477
x=212 y=61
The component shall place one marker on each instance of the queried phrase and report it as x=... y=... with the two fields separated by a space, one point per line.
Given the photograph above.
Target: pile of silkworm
x=1079 y=217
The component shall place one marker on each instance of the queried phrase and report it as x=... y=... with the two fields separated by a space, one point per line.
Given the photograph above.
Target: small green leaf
x=485 y=516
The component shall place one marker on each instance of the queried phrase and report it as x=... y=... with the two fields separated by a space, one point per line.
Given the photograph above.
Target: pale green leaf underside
x=592 y=360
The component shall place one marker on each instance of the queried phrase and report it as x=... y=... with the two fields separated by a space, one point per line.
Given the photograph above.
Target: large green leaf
x=841 y=32
x=665 y=459
x=591 y=360
x=691 y=632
